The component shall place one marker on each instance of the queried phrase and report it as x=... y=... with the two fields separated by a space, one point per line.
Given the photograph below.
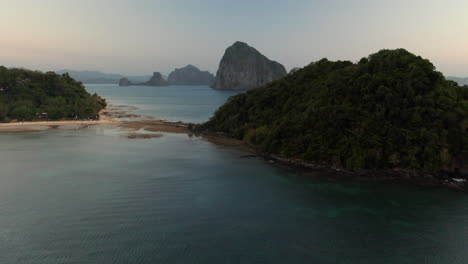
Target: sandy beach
x=107 y=116
x=18 y=127
x=58 y=123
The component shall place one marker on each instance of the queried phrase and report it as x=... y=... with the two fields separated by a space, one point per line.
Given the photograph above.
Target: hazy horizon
x=139 y=37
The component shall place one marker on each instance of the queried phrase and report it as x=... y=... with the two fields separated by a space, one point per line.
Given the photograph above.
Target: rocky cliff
x=243 y=67
x=190 y=75
x=156 y=80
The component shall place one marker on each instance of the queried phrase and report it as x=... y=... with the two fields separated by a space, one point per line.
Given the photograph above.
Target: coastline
x=107 y=117
x=18 y=127
x=457 y=182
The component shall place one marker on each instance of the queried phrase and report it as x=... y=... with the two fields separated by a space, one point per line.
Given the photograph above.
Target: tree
x=22 y=113
x=58 y=95
x=390 y=110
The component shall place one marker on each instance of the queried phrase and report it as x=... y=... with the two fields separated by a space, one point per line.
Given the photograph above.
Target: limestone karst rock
x=243 y=67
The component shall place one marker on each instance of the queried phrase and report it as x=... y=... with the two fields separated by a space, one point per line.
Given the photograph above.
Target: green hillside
x=390 y=110
x=25 y=95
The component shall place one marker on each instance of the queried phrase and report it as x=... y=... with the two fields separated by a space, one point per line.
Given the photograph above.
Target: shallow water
x=91 y=195
x=193 y=104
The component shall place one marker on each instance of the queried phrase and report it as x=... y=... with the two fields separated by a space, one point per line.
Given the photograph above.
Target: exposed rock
x=190 y=75
x=156 y=80
x=243 y=67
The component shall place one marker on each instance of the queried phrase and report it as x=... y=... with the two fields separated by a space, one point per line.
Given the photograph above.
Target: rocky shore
x=454 y=181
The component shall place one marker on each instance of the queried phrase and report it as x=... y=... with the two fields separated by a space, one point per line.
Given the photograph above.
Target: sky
x=142 y=36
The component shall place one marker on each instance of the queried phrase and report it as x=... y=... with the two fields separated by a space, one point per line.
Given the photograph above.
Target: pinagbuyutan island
x=388 y=117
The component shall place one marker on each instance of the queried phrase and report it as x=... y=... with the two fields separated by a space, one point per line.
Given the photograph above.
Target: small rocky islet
x=188 y=75
x=156 y=80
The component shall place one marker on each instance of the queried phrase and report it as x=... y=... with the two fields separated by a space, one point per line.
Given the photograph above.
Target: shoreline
x=17 y=127
x=413 y=177
x=107 y=115
x=457 y=182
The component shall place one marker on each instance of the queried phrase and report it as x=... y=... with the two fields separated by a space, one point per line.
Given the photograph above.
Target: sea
x=89 y=194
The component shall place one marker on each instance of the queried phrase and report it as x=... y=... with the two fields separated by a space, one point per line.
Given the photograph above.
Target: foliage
x=390 y=110
x=25 y=95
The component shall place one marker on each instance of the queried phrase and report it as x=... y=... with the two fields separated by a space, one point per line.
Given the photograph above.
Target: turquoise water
x=91 y=195
x=193 y=104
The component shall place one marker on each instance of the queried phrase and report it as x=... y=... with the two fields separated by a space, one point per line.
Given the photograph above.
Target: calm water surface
x=194 y=104
x=90 y=195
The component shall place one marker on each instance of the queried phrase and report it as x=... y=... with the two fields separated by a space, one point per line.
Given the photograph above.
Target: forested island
x=32 y=95
x=391 y=110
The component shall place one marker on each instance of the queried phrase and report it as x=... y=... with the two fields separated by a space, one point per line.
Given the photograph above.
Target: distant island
x=31 y=95
x=156 y=80
x=190 y=75
x=460 y=81
x=390 y=111
x=244 y=67
x=97 y=77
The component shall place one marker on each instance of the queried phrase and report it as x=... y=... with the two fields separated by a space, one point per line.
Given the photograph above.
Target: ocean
x=92 y=195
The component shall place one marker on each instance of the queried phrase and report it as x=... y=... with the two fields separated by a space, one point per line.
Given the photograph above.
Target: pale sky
x=142 y=36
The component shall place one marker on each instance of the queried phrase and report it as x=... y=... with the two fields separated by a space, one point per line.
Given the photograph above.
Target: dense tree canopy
x=390 y=110
x=25 y=95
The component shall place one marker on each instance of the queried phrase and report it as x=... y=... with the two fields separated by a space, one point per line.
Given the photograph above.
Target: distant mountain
x=244 y=67
x=190 y=75
x=460 y=81
x=143 y=78
x=155 y=80
x=97 y=77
